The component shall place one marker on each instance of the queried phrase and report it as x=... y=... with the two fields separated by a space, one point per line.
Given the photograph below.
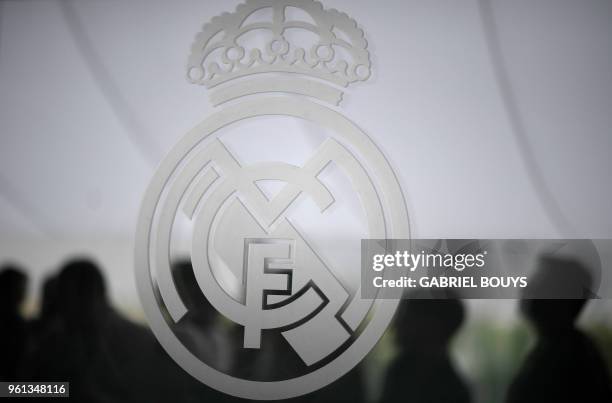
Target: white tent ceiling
x=93 y=94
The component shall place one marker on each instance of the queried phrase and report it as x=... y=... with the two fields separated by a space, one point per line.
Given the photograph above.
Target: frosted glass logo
x=253 y=264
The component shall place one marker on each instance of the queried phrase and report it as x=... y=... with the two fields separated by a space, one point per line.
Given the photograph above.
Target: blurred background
x=495 y=115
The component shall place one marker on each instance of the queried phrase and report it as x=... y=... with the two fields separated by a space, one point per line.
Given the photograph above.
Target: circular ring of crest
x=383 y=310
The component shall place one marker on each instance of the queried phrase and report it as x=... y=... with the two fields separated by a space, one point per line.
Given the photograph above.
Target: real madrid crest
x=250 y=259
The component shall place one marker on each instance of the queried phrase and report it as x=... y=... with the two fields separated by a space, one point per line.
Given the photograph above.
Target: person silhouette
x=77 y=349
x=199 y=328
x=349 y=388
x=105 y=357
x=86 y=342
x=13 y=333
x=423 y=370
x=564 y=365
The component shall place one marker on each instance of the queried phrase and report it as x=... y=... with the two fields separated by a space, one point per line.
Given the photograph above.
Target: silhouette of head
x=13 y=283
x=81 y=291
x=556 y=294
x=425 y=323
x=191 y=294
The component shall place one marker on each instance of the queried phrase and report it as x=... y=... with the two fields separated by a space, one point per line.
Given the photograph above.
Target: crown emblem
x=221 y=52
